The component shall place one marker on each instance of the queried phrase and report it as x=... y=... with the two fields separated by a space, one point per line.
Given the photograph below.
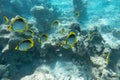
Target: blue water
x=39 y=15
x=107 y=9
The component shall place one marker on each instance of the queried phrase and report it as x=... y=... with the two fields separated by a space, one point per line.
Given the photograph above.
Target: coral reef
x=44 y=17
x=84 y=59
x=61 y=51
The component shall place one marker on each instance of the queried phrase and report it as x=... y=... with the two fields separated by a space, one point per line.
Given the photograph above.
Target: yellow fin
x=57 y=22
x=73 y=43
x=90 y=36
x=77 y=13
x=16 y=48
x=6 y=19
x=107 y=58
x=41 y=36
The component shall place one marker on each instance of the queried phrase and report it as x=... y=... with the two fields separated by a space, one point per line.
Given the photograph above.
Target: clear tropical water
x=80 y=40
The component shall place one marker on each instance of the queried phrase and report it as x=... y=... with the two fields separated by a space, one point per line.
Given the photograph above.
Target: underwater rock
x=116 y=33
x=49 y=49
x=99 y=61
x=71 y=70
x=38 y=76
x=86 y=58
x=106 y=29
x=95 y=36
x=41 y=73
x=4 y=38
x=111 y=41
x=44 y=17
x=75 y=27
x=81 y=47
x=4 y=71
x=4 y=29
x=84 y=32
x=101 y=72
